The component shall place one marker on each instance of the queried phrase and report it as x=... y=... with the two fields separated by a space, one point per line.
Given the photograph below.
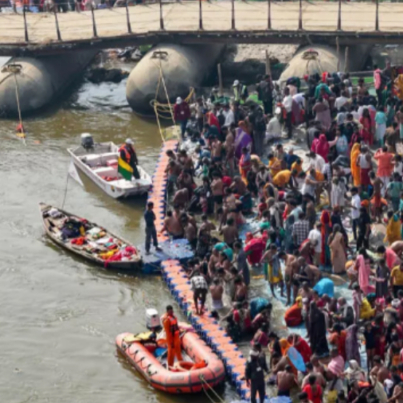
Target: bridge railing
x=99 y=20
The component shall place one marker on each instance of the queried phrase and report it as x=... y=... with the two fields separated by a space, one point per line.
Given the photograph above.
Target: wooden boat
x=201 y=369
x=88 y=240
x=100 y=163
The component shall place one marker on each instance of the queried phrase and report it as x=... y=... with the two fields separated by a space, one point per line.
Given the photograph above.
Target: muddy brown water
x=59 y=315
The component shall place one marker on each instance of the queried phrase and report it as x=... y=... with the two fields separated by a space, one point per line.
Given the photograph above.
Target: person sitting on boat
x=170 y=324
x=128 y=154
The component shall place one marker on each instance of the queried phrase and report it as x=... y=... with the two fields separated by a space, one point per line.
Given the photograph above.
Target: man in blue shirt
x=151 y=232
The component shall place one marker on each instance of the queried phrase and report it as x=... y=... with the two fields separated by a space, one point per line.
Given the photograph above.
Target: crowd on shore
x=314 y=213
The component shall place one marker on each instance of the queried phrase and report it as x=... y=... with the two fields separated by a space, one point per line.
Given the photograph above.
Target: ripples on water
x=60 y=315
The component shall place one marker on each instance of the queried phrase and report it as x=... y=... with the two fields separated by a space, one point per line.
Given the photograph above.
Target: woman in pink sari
x=362 y=265
x=321 y=146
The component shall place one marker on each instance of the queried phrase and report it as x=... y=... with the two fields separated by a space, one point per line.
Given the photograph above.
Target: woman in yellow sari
x=393 y=229
x=355 y=170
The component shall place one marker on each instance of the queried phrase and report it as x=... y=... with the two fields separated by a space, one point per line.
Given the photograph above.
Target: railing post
x=377 y=15
x=232 y=14
x=300 y=15
x=59 y=37
x=161 y=17
x=200 y=15
x=25 y=25
x=339 y=17
x=268 y=14
x=94 y=25
x=129 y=26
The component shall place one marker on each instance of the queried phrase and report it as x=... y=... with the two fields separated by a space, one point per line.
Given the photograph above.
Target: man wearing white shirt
x=228 y=115
x=341 y=101
x=355 y=209
x=316 y=161
x=287 y=103
x=315 y=237
x=300 y=98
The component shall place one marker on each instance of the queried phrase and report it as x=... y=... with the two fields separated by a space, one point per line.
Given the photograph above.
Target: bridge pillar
x=25 y=24
x=300 y=16
x=268 y=14
x=59 y=37
x=129 y=27
x=339 y=17
x=200 y=15
x=232 y=14
x=161 y=17
x=94 y=25
x=377 y=15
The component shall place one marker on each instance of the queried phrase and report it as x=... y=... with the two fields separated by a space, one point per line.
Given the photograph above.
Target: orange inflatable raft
x=201 y=367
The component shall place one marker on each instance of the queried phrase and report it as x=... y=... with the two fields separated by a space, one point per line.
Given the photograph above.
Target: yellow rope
x=165 y=111
x=15 y=69
x=201 y=377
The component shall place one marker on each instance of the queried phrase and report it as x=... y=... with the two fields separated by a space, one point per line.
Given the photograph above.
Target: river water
x=59 y=315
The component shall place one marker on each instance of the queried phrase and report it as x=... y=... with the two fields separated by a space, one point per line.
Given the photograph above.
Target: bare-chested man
x=286 y=380
x=217 y=292
x=379 y=370
x=216 y=150
x=213 y=263
x=206 y=226
x=181 y=198
x=397 y=247
x=377 y=184
x=173 y=226
x=217 y=188
x=185 y=160
x=230 y=152
x=238 y=186
x=241 y=290
x=291 y=267
x=230 y=232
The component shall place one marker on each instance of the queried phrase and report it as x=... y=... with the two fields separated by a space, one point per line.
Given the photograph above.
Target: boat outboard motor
x=153 y=321
x=87 y=142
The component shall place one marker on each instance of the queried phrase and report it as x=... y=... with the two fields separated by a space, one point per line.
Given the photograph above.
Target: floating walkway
x=178 y=249
x=179 y=285
x=207 y=327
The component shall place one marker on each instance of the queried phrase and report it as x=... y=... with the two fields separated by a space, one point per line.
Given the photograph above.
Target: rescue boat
x=201 y=367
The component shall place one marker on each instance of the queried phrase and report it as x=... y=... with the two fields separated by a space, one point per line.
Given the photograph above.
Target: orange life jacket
x=127 y=154
x=173 y=323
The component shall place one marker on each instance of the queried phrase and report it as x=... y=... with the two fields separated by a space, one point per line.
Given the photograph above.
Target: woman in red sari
x=301 y=346
x=367 y=130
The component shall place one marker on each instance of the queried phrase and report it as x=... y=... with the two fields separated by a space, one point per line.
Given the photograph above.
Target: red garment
x=364 y=176
x=293 y=317
x=255 y=247
x=226 y=180
x=304 y=349
x=321 y=147
x=385 y=165
x=181 y=111
x=314 y=397
x=366 y=133
x=212 y=120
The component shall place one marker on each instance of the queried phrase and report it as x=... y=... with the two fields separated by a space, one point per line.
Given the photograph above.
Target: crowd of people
x=311 y=217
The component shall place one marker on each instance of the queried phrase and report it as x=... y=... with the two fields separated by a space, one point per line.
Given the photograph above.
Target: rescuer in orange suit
x=171 y=328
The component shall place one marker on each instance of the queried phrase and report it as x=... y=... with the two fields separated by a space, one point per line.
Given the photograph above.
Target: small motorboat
x=99 y=161
x=89 y=240
x=200 y=369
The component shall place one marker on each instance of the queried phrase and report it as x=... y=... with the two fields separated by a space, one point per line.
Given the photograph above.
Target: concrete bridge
x=195 y=22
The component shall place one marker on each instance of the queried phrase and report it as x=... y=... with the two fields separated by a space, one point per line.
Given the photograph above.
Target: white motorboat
x=99 y=161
